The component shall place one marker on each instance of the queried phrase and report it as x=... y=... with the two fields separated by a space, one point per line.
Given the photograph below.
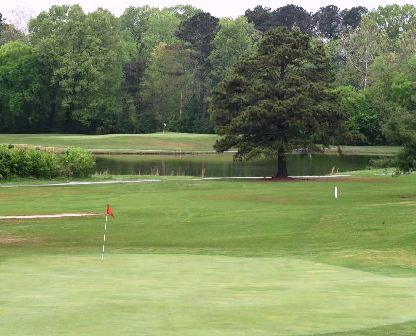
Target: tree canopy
x=73 y=71
x=278 y=100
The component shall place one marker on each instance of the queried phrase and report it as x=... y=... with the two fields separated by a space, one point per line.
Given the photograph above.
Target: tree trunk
x=281 y=164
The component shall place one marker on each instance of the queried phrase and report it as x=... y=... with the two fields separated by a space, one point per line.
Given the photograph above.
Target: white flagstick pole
x=105 y=231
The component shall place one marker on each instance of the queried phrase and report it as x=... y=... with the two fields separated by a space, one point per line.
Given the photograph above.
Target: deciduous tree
x=84 y=54
x=394 y=20
x=262 y=18
x=24 y=96
x=291 y=16
x=351 y=18
x=359 y=49
x=234 y=40
x=327 y=21
x=199 y=32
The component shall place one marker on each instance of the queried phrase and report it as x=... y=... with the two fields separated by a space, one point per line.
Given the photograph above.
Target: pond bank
x=332 y=150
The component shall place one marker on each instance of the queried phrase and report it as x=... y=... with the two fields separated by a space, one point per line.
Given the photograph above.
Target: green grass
x=120 y=142
x=365 y=150
x=188 y=257
x=186 y=142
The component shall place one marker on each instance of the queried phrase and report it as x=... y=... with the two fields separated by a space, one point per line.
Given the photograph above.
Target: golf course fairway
x=197 y=257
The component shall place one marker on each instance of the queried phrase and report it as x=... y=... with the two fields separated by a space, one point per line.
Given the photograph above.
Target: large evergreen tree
x=278 y=99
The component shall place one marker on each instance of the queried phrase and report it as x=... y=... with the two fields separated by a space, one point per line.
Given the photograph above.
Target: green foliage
x=161 y=28
x=358 y=50
x=78 y=162
x=135 y=21
x=406 y=159
x=23 y=89
x=166 y=89
x=278 y=99
x=234 y=40
x=199 y=32
x=95 y=73
x=28 y=163
x=328 y=21
x=393 y=20
x=86 y=73
x=19 y=162
x=362 y=119
x=392 y=92
x=351 y=18
x=9 y=33
x=289 y=16
x=261 y=17
x=6 y=157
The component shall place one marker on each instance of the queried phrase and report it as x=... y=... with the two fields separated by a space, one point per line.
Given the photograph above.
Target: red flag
x=109 y=211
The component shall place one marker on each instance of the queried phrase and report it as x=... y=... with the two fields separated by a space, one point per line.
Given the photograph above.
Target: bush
x=78 y=162
x=43 y=164
x=406 y=159
x=384 y=162
x=75 y=162
x=6 y=158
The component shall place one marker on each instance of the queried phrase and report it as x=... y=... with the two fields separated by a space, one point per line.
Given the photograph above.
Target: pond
x=222 y=165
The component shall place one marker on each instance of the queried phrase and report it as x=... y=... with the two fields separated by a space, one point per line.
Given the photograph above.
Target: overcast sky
x=217 y=8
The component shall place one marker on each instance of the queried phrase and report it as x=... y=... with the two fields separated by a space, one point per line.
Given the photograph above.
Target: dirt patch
x=77 y=183
x=408 y=196
x=8 y=240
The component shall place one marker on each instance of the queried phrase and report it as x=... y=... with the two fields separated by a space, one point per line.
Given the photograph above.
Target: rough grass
x=188 y=257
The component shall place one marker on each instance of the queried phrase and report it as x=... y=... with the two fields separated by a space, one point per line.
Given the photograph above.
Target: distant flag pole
x=109 y=212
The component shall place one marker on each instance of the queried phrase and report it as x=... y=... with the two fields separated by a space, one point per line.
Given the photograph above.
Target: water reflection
x=222 y=165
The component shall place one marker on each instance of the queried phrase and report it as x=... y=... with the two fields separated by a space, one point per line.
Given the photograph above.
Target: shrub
x=5 y=160
x=75 y=162
x=406 y=159
x=383 y=162
x=43 y=164
x=78 y=162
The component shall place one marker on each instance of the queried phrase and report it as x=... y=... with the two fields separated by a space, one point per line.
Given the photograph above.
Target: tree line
x=77 y=72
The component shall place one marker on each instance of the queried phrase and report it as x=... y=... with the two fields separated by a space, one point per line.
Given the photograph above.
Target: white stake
x=336 y=192
x=105 y=231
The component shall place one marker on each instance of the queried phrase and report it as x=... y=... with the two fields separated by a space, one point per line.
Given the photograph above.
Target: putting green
x=194 y=295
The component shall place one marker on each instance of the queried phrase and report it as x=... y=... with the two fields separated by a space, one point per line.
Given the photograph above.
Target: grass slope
x=154 y=142
x=133 y=142
x=191 y=257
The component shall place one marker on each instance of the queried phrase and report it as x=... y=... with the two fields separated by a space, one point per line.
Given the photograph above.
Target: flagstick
x=105 y=231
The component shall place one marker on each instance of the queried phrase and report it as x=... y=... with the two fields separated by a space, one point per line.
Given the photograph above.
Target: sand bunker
x=63 y=215
x=78 y=183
